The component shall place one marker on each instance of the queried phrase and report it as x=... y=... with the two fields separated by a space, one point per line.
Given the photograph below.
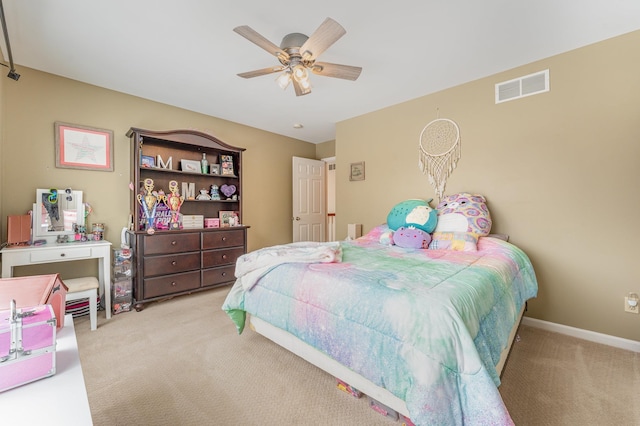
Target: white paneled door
x=309 y=209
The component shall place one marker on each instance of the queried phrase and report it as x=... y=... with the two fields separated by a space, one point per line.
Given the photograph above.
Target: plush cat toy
x=462 y=218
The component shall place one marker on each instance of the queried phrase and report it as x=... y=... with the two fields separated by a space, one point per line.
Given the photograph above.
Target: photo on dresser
x=229 y=218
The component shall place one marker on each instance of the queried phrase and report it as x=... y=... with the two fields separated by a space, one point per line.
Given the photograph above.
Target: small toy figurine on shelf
x=215 y=195
x=203 y=196
x=234 y=220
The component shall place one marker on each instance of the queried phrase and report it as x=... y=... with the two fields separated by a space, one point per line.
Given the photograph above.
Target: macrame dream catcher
x=439 y=151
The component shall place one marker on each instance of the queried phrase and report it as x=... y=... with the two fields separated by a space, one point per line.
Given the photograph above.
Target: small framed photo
x=229 y=218
x=226 y=165
x=147 y=161
x=214 y=169
x=357 y=171
x=191 y=166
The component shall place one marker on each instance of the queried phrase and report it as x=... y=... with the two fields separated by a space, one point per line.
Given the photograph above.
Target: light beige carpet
x=180 y=362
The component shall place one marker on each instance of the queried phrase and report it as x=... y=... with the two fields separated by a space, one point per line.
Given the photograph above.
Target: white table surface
x=57 y=400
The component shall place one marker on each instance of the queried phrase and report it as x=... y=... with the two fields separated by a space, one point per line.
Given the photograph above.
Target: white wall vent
x=520 y=87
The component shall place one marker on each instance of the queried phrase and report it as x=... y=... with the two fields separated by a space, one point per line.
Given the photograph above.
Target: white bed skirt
x=331 y=366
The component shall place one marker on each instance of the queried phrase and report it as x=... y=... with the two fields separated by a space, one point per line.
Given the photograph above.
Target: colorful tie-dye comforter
x=427 y=325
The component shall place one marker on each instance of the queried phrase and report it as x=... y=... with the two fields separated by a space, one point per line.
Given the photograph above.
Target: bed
x=424 y=332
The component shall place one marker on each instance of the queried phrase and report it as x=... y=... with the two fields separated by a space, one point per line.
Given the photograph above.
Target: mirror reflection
x=57 y=210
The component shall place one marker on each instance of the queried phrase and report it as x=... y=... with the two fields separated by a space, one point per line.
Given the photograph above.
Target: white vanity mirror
x=56 y=211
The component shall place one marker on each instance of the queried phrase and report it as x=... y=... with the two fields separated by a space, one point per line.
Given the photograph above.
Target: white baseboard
x=592 y=336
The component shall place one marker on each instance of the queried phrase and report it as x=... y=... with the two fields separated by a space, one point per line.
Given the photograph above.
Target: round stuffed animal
x=411 y=238
x=415 y=213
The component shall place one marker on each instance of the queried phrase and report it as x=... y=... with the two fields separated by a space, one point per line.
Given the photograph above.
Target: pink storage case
x=33 y=291
x=27 y=345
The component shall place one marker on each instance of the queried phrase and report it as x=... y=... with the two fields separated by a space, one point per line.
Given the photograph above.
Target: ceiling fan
x=298 y=55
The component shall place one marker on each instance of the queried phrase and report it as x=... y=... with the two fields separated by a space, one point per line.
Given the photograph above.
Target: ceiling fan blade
x=300 y=91
x=251 y=35
x=327 y=69
x=327 y=33
x=263 y=71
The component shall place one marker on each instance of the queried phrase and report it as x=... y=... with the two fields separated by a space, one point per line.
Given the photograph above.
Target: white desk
x=63 y=252
x=56 y=400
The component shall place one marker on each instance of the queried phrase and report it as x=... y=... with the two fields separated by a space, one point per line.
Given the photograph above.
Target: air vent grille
x=517 y=88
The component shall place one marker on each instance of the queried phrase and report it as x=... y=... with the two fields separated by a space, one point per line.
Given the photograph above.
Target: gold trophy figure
x=149 y=203
x=175 y=202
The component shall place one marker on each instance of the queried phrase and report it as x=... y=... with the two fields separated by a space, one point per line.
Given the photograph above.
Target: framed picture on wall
x=357 y=171
x=82 y=147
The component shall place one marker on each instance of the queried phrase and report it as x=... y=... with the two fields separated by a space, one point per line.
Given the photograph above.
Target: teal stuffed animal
x=413 y=213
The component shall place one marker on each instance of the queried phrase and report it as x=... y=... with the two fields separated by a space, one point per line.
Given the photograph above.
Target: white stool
x=82 y=288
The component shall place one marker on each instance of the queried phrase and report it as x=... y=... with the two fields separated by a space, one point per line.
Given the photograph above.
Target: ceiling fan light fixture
x=300 y=73
x=298 y=54
x=284 y=79
x=305 y=84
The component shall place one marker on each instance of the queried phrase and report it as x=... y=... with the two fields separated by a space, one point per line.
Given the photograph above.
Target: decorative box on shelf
x=212 y=222
x=192 y=221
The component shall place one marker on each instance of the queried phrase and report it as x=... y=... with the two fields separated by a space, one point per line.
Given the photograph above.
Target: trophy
x=175 y=201
x=149 y=203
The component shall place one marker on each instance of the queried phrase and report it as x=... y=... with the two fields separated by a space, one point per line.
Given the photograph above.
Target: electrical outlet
x=629 y=308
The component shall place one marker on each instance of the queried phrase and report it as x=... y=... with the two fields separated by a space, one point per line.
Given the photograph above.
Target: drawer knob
x=224 y=256
x=224 y=274
x=62 y=255
x=173 y=243
x=173 y=283
x=174 y=263
x=224 y=238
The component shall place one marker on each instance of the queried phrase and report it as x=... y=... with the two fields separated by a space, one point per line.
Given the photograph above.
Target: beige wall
x=325 y=150
x=559 y=170
x=32 y=105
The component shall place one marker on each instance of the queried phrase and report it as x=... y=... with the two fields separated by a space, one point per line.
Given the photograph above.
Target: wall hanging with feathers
x=439 y=152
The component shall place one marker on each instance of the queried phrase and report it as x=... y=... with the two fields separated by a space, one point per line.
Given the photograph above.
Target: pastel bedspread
x=427 y=325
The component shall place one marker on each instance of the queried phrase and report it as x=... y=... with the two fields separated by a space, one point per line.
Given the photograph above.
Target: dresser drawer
x=171 y=264
x=171 y=243
x=161 y=286
x=221 y=275
x=219 y=239
x=225 y=256
x=60 y=255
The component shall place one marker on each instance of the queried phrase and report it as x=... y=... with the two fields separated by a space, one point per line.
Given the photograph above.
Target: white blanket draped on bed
x=252 y=266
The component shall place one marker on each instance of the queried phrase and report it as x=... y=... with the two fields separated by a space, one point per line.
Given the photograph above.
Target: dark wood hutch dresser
x=172 y=262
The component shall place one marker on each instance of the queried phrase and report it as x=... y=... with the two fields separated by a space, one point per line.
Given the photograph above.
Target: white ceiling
x=184 y=53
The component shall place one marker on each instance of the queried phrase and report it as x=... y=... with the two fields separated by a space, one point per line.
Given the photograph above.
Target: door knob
x=296 y=218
